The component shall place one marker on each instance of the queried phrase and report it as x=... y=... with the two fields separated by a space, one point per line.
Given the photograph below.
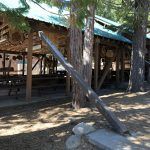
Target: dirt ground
x=46 y=126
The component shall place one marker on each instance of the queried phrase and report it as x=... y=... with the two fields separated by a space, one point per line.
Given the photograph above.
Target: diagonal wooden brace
x=108 y=114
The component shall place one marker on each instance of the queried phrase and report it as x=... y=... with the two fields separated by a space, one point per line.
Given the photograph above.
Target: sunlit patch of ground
x=133 y=109
x=42 y=119
x=44 y=128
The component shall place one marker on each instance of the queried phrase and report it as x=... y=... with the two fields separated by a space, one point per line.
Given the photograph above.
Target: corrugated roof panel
x=46 y=13
x=100 y=30
x=51 y=15
x=107 y=21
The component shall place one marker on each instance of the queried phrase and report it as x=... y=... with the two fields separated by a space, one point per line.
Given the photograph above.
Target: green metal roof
x=51 y=15
x=101 y=31
x=107 y=21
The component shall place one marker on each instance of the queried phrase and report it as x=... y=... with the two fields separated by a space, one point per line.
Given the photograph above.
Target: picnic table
x=14 y=83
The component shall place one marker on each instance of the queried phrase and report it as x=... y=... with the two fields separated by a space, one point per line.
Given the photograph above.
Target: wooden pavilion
x=111 y=57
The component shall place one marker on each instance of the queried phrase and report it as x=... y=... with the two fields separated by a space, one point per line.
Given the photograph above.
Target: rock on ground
x=73 y=142
x=82 y=129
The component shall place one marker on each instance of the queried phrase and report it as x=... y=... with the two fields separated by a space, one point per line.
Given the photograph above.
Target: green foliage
x=120 y=10
x=82 y=11
x=115 y=10
x=15 y=17
x=108 y=10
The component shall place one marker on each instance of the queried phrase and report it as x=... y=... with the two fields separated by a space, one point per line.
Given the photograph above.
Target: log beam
x=23 y=65
x=122 y=65
x=88 y=91
x=41 y=65
x=4 y=63
x=44 y=68
x=29 y=68
x=96 y=65
x=118 y=67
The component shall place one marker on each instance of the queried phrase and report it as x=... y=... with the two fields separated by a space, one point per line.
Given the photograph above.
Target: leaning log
x=101 y=106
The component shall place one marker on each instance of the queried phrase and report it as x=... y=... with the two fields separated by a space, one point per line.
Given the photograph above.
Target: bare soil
x=46 y=127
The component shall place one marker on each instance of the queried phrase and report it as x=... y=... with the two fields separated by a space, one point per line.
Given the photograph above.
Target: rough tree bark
x=149 y=67
x=88 y=44
x=136 y=80
x=76 y=56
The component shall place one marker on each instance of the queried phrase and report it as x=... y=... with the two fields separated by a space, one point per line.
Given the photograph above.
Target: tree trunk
x=88 y=45
x=148 y=67
x=136 y=80
x=76 y=57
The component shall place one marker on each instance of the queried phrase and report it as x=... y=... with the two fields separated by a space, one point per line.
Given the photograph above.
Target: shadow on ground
x=46 y=126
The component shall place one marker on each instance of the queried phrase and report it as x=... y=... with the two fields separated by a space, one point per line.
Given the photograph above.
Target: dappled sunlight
x=135 y=94
x=44 y=119
x=135 y=107
x=112 y=94
x=133 y=110
x=55 y=122
x=124 y=94
x=141 y=140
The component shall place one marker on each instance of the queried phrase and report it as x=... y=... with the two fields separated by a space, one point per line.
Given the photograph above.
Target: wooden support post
x=4 y=63
x=41 y=66
x=44 y=65
x=23 y=65
x=50 y=64
x=148 y=66
x=96 y=69
x=29 y=68
x=56 y=65
x=9 y=66
x=122 y=65
x=118 y=67
x=53 y=65
x=106 y=70
x=99 y=62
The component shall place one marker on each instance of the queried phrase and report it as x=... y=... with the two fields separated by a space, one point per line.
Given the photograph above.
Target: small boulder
x=73 y=142
x=82 y=129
